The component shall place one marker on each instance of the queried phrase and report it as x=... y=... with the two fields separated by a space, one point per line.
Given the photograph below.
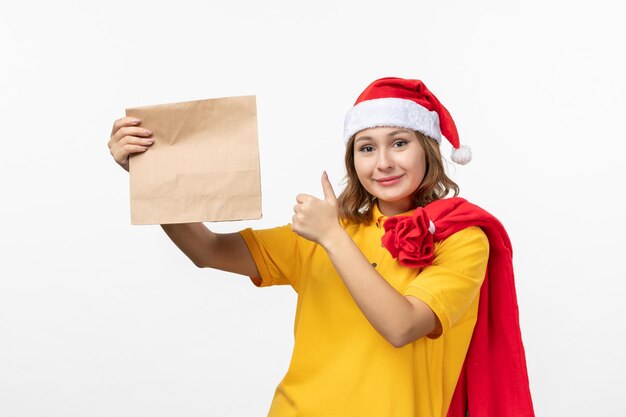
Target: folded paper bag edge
x=153 y=106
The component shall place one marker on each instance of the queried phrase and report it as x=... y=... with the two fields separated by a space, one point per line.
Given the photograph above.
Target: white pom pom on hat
x=461 y=155
x=404 y=103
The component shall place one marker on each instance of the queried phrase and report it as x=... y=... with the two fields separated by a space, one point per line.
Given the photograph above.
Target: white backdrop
x=101 y=318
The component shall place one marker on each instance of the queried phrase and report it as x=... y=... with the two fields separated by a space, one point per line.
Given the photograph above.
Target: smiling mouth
x=388 y=180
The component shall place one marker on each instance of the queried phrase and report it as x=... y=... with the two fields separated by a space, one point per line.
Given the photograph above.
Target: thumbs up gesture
x=314 y=219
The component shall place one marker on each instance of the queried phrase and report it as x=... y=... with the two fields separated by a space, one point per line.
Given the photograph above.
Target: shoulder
x=468 y=234
x=470 y=242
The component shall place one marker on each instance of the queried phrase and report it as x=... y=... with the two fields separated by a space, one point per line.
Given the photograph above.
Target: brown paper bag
x=202 y=166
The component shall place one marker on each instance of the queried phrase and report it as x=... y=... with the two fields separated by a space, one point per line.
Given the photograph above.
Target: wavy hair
x=355 y=203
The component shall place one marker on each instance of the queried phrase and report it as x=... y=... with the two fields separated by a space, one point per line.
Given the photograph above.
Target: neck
x=393 y=208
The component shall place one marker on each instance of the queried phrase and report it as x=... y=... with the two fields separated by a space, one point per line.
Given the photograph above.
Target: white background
x=101 y=318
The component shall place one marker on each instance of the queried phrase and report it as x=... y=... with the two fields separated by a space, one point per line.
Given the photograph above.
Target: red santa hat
x=404 y=103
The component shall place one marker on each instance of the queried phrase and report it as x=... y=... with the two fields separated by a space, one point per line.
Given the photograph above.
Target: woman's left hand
x=314 y=219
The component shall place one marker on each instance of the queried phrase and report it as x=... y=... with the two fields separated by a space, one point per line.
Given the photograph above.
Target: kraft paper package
x=202 y=166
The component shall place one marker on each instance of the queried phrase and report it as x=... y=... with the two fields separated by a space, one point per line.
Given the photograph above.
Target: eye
x=366 y=148
x=400 y=143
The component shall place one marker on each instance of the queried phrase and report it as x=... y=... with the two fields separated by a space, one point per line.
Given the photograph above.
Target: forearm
x=392 y=314
x=193 y=239
x=224 y=251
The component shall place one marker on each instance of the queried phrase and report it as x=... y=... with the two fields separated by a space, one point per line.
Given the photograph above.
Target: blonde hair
x=355 y=203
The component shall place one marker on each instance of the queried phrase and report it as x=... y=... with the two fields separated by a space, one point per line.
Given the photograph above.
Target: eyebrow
x=395 y=132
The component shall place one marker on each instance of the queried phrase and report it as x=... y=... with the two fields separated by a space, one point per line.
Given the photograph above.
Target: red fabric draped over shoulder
x=494 y=377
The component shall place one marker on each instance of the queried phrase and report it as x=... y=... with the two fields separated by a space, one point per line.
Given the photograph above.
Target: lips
x=388 y=180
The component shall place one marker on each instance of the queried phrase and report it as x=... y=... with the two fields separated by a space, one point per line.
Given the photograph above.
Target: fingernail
x=135 y=121
x=148 y=132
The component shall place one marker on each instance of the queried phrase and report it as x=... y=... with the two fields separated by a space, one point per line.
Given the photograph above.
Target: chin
x=395 y=198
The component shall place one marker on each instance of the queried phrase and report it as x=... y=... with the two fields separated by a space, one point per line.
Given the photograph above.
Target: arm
x=399 y=319
x=227 y=252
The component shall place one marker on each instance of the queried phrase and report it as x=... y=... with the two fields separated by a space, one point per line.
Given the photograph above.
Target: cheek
x=360 y=166
x=417 y=164
x=363 y=173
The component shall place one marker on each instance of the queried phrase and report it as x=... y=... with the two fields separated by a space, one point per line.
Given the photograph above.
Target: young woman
x=390 y=275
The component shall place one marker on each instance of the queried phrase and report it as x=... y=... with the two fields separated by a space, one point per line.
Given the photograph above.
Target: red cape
x=494 y=378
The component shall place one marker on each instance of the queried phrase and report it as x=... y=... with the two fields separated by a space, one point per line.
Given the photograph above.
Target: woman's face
x=390 y=163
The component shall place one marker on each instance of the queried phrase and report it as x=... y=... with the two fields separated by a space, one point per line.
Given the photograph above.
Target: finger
x=128 y=145
x=296 y=208
x=124 y=121
x=128 y=131
x=132 y=131
x=294 y=222
x=329 y=193
x=122 y=154
x=301 y=198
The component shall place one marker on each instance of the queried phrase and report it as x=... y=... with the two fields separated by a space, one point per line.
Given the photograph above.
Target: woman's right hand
x=128 y=138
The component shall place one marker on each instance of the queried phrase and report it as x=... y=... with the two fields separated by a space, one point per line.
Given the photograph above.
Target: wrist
x=333 y=238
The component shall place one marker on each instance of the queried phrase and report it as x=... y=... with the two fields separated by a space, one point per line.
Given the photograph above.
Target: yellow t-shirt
x=341 y=366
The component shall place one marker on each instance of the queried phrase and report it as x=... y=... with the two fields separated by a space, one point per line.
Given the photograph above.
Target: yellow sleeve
x=276 y=253
x=452 y=282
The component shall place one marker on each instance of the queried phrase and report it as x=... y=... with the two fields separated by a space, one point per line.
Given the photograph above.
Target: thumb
x=329 y=193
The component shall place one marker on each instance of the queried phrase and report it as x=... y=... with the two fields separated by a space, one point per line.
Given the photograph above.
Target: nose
x=384 y=160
